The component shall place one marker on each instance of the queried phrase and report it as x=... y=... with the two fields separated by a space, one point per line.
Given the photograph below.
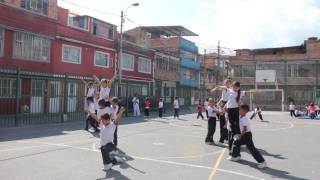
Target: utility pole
x=121 y=46
x=120 y=49
x=205 y=73
x=218 y=63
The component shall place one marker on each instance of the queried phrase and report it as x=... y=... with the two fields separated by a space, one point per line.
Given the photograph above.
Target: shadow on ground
x=274 y=173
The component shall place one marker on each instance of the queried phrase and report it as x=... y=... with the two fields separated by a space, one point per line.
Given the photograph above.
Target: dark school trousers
x=146 y=111
x=211 y=129
x=292 y=113
x=105 y=152
x=223 y=131
x=233 y=115
x=254 y=114
x=207 y=114
x=200 y=115
x=92 y=123
x=160 y=112
x=115 y=138
x=176 y=113
x=247 y=140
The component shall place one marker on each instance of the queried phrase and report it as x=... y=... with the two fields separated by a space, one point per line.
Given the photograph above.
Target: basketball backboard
x=265 y=76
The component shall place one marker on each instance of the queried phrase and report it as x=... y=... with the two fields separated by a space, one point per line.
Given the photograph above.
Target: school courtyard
x=160 y=149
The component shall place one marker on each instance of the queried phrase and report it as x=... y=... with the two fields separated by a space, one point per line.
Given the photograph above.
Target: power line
x=95 y=10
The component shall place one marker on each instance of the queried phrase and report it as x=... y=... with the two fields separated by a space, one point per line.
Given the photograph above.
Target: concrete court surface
x=160 y=149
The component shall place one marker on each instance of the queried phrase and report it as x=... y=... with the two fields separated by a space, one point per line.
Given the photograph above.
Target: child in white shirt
x=245 y=138
x=160 y=107
x=176 y=107
x=107 y=129
x=91 y=109
x=212 y=113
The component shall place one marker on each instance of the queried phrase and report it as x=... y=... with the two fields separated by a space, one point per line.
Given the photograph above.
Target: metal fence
x=28 y=98
x=300 y=80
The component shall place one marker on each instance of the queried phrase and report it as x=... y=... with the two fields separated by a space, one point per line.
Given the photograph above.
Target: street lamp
x=121 y=41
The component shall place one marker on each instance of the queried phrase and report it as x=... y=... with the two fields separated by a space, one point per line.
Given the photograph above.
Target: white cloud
x=258 y=23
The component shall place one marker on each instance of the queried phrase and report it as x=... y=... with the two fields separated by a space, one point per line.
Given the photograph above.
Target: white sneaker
x=219 y=143
x=262 y=165
x=118 y=159
x=230 y=158
x=107 y=167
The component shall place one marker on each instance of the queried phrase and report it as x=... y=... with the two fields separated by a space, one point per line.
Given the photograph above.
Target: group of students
x=231 y=112
x=312 y=110
x=104 y=114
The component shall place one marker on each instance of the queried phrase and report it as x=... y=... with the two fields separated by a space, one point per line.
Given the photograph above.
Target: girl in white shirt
x=105 y=87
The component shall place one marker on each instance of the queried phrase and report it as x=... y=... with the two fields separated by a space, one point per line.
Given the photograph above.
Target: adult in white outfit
x=136 y=108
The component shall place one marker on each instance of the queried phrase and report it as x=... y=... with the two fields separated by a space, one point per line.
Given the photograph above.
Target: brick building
x=170 y=41
x=297 y=71
x=137 y=69
x=53 y=49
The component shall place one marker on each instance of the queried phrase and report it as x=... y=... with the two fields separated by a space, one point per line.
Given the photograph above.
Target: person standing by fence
x=160 y=107
x=147 y=105
x=292 y=109
x=176 y=107
x=200 y=110
x=135 y=104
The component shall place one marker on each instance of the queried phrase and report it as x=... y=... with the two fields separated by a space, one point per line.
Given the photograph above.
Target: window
x=32 y=47
x=38 y=6
x=167 y=63
x=102 y=29
x=8 y=88
x=102 y=59
x=71 y=54
x=299 y=70
x=190 y=74
x=144 y=65
x=127 y=62
x=77 y=21
x=1 y=41
x=188 y=55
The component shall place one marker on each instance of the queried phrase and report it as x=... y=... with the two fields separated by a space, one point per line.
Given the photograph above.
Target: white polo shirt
x=224 y=95
x=212 y=111
x=101 y=112
x=104 y=93
x=176 y=104
x=91 y=108
x=292 y=107
x=206 y=104
x=160 y=104
x=107 y=133
x=232 y=98
x=244 y=121
x=90 y=92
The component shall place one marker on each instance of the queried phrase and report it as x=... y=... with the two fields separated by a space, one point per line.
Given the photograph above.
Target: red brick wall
x=86 y=68
x=137 y=52
x=52 y=7
x=8 y=61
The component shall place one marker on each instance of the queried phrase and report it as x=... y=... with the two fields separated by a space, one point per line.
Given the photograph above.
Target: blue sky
x=236 y=23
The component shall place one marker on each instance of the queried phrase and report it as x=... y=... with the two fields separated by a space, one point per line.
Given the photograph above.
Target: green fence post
x=16 y=119
x=65 y=99
x=127 y=98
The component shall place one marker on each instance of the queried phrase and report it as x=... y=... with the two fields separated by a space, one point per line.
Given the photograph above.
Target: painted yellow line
x=218 y=162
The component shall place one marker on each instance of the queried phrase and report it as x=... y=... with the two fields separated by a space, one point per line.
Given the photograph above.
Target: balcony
x=189 y=63
x=188 y=45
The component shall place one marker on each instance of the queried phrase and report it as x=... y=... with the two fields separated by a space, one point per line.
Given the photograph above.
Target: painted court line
x=218 y=162
x=152 y=160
